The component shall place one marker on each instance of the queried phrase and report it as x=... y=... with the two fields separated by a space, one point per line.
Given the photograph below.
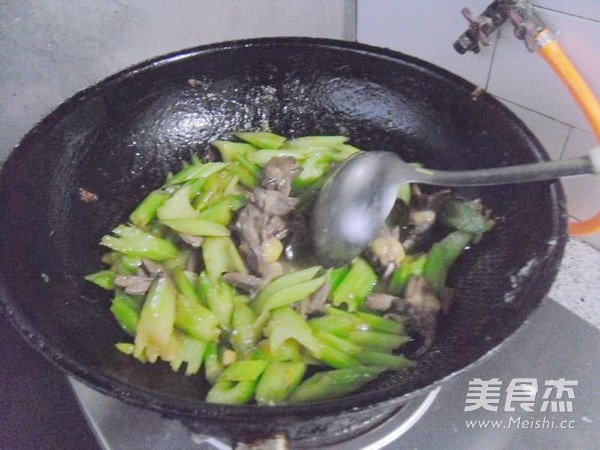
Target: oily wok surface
x=119 y=139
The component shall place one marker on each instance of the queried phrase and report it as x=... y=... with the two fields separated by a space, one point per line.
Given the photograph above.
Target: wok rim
x=190 y=408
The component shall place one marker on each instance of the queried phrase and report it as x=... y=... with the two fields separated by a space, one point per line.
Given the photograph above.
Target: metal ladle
x=358 y=197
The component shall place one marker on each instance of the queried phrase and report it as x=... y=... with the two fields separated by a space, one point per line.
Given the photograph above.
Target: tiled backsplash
x=520 y=79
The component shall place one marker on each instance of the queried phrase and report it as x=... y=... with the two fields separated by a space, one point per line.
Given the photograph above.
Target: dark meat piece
x=273 y=203
x=245 y=281
x=422 y=215
x=152 y=268
x=386 y=251
x=316 y=302
x=279 y=174
x=193 y=241
x=423 y=307
x=380 y=302
x=134 y=285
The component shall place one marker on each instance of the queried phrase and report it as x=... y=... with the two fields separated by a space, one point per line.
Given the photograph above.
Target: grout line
x=489 y=74
x=565 y=13
x=351 y=21
x=564 y=146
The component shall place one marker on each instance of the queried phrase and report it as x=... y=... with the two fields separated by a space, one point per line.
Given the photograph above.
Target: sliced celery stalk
x=278 y=381
x=345 y=346
x=178 y=206
x=314 y=142
x=213 y=367
x=442 y=256
x=231 y=393
x=157 y=317
x=337 y=325
x=355 y=286
x=195 y=319
x=379 y=341
x=213 y=189
x=335 y=357
x=387 y=360
x=408 y=268
x=289 y=350
x=405 y=193
x=285 y=324
x=247 y=329
x=132 y=241
x=145 y=212
x=197 y=227
x=230 y=151
x=191 y=351
x=126 y=311
x=249 y=370
x=378 y=323
x=219 y=298
x=286 y=281
x=262 y=139
x=104 y=278
x=291 y=294
x=333 y=384
x=198 y=170
x=220 y=256
x=262 y=157
x=125 y=347
x=337 y=276
x=184 y=285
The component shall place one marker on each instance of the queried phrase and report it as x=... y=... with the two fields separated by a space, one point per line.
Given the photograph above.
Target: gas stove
x=522 y=412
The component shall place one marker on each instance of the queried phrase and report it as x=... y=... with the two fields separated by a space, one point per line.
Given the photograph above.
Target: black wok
x=120 y=137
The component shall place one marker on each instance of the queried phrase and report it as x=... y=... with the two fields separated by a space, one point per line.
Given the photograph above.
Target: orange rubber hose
x=562 y=66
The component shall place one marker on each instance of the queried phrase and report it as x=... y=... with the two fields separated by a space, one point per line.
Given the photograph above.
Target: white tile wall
x=521 y=80
x=50 y=50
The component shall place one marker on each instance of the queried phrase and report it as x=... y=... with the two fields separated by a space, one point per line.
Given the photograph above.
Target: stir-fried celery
x=213 y=295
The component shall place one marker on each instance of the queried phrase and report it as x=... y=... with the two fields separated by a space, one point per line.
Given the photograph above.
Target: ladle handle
x=547 y=170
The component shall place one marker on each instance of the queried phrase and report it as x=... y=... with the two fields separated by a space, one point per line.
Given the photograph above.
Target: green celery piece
x=442 y=256
x=247 y=329
x=179 y=261
x=289 y=350
x=213 y=189
x=178 y=206
x=345 y=346
x=104 y=278
x=262 y=139
x=278 y=381
x=125 y=347
x=145 y=212
x=344 y=151
x=230 y=393
x=213 y=367
x=248 y=173
x=126 y=310
x=220 y=256
x=249 y=370
x=285 y=323
x=314 y=167
x=134 y=242
x=333 y=384
x=191 y=351
x=381 y=324
x=356 y=285
x=464 y=216
x=377 y=341
x=387 y=360
x=111 y=258
x=197 y=227
x=219 y=213
x=196 y=320
x=198 y=170
x=337 y=276
x=262 y=157
x=408 y=268
x=287 y=281
x=335 y=357
x=184 y=285
x=231 y=150
x=157 y=317
x=314 y=142
x=219 y=297
x=291 y=294
x=337 y=325
x=196 y=186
